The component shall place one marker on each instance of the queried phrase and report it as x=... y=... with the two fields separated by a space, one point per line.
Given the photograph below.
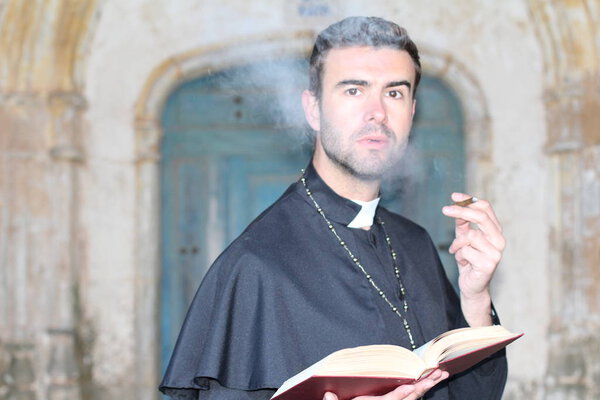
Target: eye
x=353 y=91
x=395 y=94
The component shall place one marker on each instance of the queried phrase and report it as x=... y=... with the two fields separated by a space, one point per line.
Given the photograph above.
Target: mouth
x=374 y=141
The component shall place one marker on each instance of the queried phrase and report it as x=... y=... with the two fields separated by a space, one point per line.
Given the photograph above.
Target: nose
x=376 y=111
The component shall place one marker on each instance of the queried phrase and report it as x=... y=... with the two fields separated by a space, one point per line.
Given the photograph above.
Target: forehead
x=368 y=63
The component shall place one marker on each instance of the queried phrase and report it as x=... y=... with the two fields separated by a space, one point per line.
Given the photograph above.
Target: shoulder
x=275 y=224
x=401 y=225
x=410 y=236
x=270 y=236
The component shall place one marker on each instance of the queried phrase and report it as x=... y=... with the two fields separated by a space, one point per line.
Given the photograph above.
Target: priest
x=325 y=267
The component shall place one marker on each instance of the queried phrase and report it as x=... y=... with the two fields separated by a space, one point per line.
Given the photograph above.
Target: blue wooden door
x=227 y=154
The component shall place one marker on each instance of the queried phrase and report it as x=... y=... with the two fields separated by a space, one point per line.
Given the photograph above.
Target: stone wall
x=82 y=83
x=571 y=43
x=41 y=151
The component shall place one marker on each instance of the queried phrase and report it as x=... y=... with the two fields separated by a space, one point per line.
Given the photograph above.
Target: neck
x=344 y=183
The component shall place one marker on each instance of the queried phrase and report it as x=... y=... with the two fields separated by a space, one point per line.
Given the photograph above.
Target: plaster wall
x=494 y=43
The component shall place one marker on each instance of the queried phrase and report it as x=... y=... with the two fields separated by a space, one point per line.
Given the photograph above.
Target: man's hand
x=404 y=392
x=477 y=248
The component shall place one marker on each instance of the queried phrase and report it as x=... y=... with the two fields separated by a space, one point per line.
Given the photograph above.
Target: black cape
x=285 y=294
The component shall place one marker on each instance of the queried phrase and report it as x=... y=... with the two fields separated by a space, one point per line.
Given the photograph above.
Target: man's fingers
x=481 y=263
x=476 y=216
x=426 y=384
x=404 y=392
x=480 y=204
x=400 y=393
x=465 y=216
x=480 y=242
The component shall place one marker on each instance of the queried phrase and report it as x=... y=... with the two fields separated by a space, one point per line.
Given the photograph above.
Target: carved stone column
x=40 y=356
x=66 y=353
x=41 y=50
x=25 y=233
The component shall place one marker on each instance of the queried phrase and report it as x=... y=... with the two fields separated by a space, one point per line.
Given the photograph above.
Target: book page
x=364 y=361
x=461 y=341
x=373 y=360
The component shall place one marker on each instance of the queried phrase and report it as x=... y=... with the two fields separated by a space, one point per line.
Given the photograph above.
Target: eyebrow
x=358 y=82
x=399 y=83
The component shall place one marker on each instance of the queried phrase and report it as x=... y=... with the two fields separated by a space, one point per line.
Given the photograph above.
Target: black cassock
x=285 y=294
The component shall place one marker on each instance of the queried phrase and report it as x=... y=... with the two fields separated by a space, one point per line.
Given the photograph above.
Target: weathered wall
x=81 y=87
x=41 y=153
x=571 y=43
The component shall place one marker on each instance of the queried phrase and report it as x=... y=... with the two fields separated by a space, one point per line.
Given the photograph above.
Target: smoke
x=269 y=95
x=270 y=92
x=404 y=178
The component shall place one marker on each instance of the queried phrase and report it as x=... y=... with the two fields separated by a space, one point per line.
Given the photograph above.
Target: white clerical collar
x=366 y=214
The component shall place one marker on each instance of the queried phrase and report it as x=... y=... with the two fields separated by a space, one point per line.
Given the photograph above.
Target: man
x=325 y=268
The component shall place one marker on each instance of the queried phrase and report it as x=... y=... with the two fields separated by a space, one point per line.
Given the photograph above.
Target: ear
x=414 y=108
x=311 y=110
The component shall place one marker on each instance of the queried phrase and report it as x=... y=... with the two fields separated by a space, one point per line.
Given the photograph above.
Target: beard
x=367 y=167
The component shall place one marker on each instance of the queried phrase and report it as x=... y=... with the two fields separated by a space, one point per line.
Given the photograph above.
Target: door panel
x=184 y=250
x=256 y=183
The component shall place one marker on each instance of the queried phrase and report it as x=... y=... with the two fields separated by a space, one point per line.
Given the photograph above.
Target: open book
x=379 y=369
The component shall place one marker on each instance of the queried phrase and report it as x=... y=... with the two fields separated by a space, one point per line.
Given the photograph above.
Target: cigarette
x=465 y=202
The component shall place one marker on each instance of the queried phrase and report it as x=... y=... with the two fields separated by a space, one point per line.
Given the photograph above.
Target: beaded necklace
x=357 y=262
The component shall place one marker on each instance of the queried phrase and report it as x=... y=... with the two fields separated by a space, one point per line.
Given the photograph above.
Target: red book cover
x=345 y=387
x=348 y=387
x=464 y=361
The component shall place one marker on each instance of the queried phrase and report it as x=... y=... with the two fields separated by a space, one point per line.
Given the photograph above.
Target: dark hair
x=359 y=31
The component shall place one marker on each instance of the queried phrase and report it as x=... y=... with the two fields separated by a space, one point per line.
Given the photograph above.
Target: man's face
x=365 y=113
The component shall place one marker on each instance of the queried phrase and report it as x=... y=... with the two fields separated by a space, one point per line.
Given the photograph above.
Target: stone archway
x=148 y=133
